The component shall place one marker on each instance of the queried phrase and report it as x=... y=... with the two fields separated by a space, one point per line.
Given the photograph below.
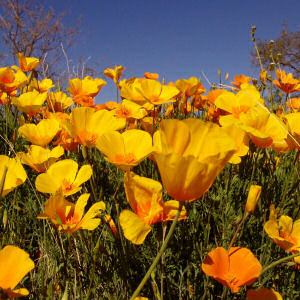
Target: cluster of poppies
x=216 y=129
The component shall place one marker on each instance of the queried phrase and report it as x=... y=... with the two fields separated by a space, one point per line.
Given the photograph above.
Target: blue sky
x=176 y=39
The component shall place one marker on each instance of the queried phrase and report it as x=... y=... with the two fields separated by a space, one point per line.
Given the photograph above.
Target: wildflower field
x=172 y=191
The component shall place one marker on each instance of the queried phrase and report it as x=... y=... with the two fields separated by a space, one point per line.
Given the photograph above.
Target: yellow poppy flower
x=190 y=87
x=59 y=101
x=62 y=176
x=10 y=80
x=42 y=86
x=87 y=125
x=42 y=133
x=156 y=93
x=285 y=233
x=30 y=102
x=69 y=217
x=114 y=74
x=125 y=150
x=27 y=64
x=130 y=90
x=15 y=175
x=128 y=109
x=253 y=196
x=39 y=158
x=187 y=162
x=145 y=199
x=263 y=294
x=293 y=122
x=15 y=263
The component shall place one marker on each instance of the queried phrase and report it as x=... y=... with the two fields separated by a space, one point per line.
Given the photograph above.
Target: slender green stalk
x=159 y=254
x=238 y=229
x=278 y=262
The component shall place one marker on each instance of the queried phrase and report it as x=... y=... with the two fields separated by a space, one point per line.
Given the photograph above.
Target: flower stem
x=277 y=262
x=238 y=229
x=159 y=254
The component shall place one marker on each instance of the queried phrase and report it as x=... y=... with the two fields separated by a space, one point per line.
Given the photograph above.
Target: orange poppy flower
x=114 y=74
x=27 y=64
x=239 y=80
x=286 y=83
x=234 y=268
x=294 y=104
x=149 y=75
x=10 y=80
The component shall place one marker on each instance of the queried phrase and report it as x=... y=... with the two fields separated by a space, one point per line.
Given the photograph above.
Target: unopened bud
x=253 y=196
x=226 y=76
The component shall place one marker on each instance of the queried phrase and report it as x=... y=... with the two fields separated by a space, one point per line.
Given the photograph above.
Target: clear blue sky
x=176 y=39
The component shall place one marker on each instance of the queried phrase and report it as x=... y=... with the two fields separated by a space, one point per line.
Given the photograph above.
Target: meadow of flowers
x=171 y=191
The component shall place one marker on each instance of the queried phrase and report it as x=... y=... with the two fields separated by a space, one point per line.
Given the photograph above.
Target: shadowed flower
x=42 y=86
x=234 y=268
x=15 y=263
x=62 y=177
x=59 y=101
x=253 y=196
x=30 y=102
x=145 y=199
x=87 y=125
x=15 y=175
x=263 y=294
x=39 y=158
x=69 y=217
x=285 y=233
x=125 y=150
x=27 y=64
x=187 y=162
x=42 y=133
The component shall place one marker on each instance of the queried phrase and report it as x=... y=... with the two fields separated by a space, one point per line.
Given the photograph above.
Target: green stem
x=159 y=254
x=277 y=262
x=238 y=229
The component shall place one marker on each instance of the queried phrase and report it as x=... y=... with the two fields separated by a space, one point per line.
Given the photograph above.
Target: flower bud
x=253 y=196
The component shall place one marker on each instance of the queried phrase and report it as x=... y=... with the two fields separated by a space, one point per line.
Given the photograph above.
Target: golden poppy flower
x=63 y=177
x=125 y=150
x=156 y=93
x=86 y=87
x=149 y=75
x=234 y=268
x=130 y=90
x=27 y=64
x=66 y=141
x=263 y=294
x=238 y=103
x=190 y=87
x=145 y=199
x=187 y=163
x=293 y=122
x=114 y=74
x=286 y=83
x=30 y=102
x=42 y=86
x=214 y=94
x=128 y=109
x=40 y=134
x=263 y=75
x=239 y=80
x=86 y=125
x=15 y=263
x=294 y=104
x=69 y=217
x=285 y=233
x=39 y=158
x=10 y=80
x=15 y=175
x=59 y=101
x=253 y=196
x=241 y=140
